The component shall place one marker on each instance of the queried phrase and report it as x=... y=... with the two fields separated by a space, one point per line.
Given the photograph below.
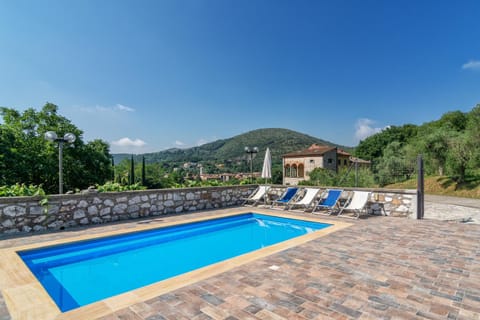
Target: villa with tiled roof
x=297 y=165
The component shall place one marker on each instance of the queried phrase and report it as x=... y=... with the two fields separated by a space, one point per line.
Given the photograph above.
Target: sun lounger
x=328 y=202
x=287 y=196
x=258 y=195
x=356 y=204
x=306 y=201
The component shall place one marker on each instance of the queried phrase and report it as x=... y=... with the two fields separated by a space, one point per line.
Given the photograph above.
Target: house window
x=300 y=171
x=345 y=161
x=339 y=161
x=329 y=161
x=287 y=170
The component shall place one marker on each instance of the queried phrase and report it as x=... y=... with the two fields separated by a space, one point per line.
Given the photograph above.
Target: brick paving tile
x=442 y=309
x=379 y=268
x=214 y=313
x=468 y=315
x=125 y=315
x=155 y=317
x=144 y=310
x=237 y=301
x=202 y=316
x=243 y=315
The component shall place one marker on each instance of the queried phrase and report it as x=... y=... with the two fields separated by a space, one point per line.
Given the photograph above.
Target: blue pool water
x=80 y=273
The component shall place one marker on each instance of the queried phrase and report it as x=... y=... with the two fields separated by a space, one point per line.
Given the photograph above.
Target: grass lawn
x=442 y=185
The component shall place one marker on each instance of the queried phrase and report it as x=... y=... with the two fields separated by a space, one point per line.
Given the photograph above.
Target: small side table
x=377 y=208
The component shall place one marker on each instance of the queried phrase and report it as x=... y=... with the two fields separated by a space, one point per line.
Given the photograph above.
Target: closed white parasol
x=267 y=166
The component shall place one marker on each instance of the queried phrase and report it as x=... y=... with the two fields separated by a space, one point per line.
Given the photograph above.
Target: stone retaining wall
x=25 y=214
x=392 y=202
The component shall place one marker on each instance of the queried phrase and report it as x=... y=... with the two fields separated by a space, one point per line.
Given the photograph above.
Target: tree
x=132 y=171
x=143 y=171
x=8 y=155
x=394 y=166
x=472 y=132
x=459 y=156
x=93 y=162
x=322 y=177
x=277 y=173
x=436 y=146
x=373 y=147
x=454 y=120
x=26 y=157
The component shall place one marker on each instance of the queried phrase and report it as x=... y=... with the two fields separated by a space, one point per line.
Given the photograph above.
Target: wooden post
x=420 y=188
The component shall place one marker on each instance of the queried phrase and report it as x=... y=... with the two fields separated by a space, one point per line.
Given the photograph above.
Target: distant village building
x=188 y=165
x=297 y=165
x=227 y=176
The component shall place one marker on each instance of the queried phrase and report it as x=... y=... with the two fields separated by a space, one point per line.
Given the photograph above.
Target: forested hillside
x=280 y=141
x=449 y=146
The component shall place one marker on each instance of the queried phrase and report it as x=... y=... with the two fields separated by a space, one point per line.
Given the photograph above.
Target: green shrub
x=21 y=190
x=117 y=187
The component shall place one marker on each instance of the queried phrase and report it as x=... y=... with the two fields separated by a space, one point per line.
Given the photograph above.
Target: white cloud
x=472 y=65
x=127 y=142
x=201 y=141
x=116 y=108
x=364 y=128
x=179 y=143
x=121 y=107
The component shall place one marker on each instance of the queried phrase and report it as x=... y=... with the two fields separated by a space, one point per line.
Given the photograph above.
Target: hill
x=441 y=185
x=280 y=141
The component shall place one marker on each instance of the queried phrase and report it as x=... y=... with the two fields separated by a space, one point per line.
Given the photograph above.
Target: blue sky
x=150 y=75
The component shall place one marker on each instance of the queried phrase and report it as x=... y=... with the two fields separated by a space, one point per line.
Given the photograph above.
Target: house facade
x=297 y=165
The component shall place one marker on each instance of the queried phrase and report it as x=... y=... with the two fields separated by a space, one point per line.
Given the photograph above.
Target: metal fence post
x=420 y=188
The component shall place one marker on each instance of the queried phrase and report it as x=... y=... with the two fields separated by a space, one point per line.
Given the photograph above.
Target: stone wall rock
x=25 y=214
x=395 y=203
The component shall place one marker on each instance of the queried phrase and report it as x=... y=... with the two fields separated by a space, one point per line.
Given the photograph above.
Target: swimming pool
x=80 y=273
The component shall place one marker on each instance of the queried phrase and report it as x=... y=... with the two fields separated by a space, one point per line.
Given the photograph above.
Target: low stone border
x=392 y=202
x=26 y=214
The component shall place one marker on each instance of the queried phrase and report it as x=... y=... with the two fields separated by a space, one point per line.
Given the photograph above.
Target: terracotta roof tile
x=313 y=150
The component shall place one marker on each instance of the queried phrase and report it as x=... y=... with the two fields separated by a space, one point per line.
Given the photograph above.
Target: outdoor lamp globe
x=51 y=136
x=69 y=137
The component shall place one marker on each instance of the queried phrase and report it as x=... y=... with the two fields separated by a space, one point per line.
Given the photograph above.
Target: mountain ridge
x=279 y=140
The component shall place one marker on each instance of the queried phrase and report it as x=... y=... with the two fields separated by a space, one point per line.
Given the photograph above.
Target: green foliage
x=277 y=174
x=144 y=180
x=131 y=176
x=394 y=166
x=449 y=146
x=455 y=121
x=363 y=178
x=459 y=156
x=372 y=148
x=321 y=177
x=436 y=147
x=20 y=190
x=117 y=187
x=27 y=158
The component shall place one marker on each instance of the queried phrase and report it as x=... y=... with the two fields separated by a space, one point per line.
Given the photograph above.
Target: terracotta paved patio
x=379 y=268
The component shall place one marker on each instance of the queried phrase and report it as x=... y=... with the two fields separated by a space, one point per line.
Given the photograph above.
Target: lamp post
x=67 y=138
x=251 y=152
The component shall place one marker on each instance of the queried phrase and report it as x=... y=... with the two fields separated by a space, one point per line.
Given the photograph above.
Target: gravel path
x=452 y=208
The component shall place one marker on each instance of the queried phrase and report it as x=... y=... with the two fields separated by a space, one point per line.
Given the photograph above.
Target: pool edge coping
x=26 y=298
